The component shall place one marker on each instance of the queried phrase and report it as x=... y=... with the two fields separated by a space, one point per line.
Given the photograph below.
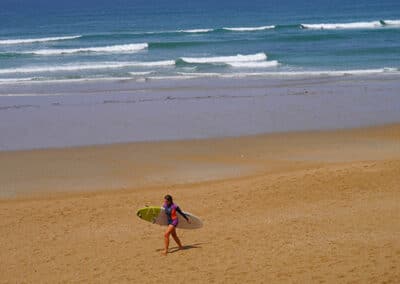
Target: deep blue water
x=47 y=40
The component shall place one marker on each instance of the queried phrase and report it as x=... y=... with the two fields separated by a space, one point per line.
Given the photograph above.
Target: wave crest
x=392 y=22
x=334 y=26
x=34 y=40
x=258 y=60
x=248 y=29
x=256 y=64
x=89 y=66
x=123 y=48
x=196 y=31
x=224 y=59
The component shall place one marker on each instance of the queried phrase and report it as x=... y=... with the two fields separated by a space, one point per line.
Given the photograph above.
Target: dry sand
x=319 y=207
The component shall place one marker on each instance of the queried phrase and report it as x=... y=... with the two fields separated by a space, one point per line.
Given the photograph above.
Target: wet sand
x=64 y=114
x=319 y=207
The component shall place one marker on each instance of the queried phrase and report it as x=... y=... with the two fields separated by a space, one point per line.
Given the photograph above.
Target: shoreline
x=88 y=113
x=146 y=77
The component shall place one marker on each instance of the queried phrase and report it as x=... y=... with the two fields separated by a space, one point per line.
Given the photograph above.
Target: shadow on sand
x=186 y=247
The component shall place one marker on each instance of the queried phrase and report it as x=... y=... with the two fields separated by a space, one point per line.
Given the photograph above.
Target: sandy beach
x=277 y=123
x=320 y=207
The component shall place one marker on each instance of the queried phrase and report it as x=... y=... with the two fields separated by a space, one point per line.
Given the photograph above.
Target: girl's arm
x=183 y=214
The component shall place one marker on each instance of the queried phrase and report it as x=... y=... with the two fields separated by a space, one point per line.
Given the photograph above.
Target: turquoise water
x=42 y=40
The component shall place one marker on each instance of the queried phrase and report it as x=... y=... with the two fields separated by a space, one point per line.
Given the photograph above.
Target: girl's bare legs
x=169 y=230
x=177 y=240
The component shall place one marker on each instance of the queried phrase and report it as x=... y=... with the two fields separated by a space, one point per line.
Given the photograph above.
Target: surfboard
x=156 y=215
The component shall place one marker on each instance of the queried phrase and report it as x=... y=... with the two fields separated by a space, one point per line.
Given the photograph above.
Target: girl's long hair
x=169 y=198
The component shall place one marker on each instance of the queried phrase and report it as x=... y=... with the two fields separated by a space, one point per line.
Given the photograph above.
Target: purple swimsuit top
x=171 y=212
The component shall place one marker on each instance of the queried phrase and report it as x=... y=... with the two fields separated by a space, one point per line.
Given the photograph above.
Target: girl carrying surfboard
x=171 y=210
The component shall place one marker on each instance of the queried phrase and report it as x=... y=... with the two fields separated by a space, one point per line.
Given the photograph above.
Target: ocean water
x=43 y=40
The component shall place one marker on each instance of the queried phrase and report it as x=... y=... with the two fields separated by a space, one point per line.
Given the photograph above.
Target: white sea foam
x=35 y=80
x=225 y=59
x=15 y=80
x=392 y=22
x=177 y=31
x=123 y=48
x=256 y=64
x=249 y=29
x=362 y=71
x=333 y=26
x=196 y=31
x=141 y=73
x=387 y=70
x=183 y=75
x=172 y=77
x=199 y=74
x=302 y=74
x=162 y=63
x=87 y=66
x=34 y=40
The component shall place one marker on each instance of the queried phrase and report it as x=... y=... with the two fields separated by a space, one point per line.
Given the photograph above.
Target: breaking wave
x=258 y=60
x=352 y=25
x=123 y=48
x=88 y=66
x=34 y=40
x=392 y=22
x=249 y=29
x=226 y=59
x=196 y=31
x=256 y=64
